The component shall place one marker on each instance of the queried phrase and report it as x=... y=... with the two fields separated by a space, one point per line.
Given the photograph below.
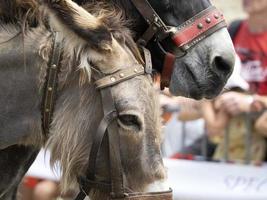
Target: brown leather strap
x=81 y=195
x=108 y=126
x=152 y=18
x=167 y=70
x=150 y=196
x=50 y=87
x=97 y=142
x=120 y=76
x=146 y=10
x=148 y=35
x=116 y=171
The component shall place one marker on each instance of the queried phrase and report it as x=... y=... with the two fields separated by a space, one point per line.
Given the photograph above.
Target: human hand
x=261 y=125
x=257 y=106
x=234 y=103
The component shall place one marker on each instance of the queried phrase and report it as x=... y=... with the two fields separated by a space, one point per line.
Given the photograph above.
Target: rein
x=107 y=129
x=184 y=37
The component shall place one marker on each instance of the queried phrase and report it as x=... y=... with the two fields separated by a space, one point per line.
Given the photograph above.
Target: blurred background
x=232 y=9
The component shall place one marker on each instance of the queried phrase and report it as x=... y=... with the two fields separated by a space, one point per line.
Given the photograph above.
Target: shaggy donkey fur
x=17 y=11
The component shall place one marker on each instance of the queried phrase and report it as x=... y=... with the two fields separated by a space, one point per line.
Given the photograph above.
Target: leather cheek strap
x=168 y=66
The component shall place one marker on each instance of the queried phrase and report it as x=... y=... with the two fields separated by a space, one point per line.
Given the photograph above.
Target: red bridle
x=184 y=36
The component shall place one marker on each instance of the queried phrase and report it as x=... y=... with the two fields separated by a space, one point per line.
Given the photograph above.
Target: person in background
x=218 y=121
x=250 y=41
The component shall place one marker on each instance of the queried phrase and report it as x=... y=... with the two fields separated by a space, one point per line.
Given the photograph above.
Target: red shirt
x=252 y=50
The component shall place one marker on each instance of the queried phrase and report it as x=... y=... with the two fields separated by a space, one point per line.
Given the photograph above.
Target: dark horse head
x=204 y=70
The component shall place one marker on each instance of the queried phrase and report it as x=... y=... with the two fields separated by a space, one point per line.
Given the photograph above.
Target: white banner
x=193 y=180
x=41 y=168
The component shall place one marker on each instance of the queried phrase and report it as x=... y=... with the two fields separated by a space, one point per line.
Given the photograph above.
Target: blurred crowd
x=224 y=128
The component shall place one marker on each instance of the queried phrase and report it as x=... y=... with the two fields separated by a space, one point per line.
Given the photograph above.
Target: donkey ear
x=68 y=15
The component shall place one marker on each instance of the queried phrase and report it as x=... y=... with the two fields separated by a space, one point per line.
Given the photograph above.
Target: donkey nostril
x=222 y=65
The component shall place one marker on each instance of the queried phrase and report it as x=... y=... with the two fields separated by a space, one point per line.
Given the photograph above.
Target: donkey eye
x=130 y=122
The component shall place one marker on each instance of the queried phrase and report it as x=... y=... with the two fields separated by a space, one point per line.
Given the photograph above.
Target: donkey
x=204 y=70
x=90 y=48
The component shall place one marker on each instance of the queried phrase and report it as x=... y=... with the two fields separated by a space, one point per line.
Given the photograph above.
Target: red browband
x=189 y=34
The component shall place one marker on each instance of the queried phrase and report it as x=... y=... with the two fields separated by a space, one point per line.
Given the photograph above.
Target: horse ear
x=65 y=14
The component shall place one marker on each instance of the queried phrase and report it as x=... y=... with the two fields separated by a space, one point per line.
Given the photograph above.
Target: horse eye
x=130 y=122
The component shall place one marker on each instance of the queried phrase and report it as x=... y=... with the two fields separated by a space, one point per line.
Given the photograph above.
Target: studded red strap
x=198 y=28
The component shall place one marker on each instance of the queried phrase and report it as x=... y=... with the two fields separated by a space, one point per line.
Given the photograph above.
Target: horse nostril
x=221 y=65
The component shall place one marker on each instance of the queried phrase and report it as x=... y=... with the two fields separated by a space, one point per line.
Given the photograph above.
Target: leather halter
x=108 y=128
x=185 y=36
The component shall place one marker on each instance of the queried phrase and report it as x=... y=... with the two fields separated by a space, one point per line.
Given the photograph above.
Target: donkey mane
x=19 y=11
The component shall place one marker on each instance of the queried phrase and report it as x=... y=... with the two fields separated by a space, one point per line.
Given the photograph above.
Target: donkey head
x=206 y=67
x=91 y=49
